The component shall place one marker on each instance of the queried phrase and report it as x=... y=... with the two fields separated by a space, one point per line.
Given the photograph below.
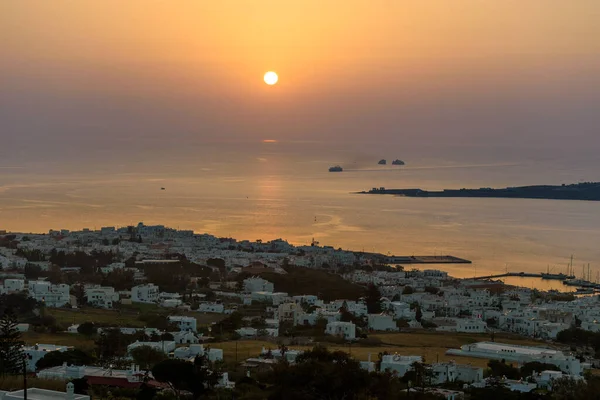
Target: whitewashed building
x=520 y=354
x=186 y=337
x=399 y=364
x=147 y=293
x=470 y=325
x=347 y=330
x=35 y=353
x=35 y=393
x=13 y=286
x=269 y=297
x=101 y=296
x=382 y=322
x=49 y=294
x=288 y=311
x=401 y=310
x=451 y=372
x=190 y=352
x=164 y=346
x=184 y=323
x=217 y=308
x=257 y=284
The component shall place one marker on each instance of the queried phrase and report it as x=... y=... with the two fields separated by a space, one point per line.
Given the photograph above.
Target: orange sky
x=377 y=58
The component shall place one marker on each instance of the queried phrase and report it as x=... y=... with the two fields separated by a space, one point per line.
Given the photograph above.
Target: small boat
x=397 y=162
x=162 y=188
x=337 y=168
x=382 y=162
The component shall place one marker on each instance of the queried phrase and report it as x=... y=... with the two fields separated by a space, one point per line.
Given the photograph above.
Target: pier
x=426 y=260
x=527 y=275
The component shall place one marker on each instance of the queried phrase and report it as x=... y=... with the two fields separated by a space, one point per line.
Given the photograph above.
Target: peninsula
x=580 y=191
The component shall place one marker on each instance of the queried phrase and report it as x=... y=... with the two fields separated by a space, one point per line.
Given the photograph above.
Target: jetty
x=425 y=260
x=589 y=191
x=526 y=275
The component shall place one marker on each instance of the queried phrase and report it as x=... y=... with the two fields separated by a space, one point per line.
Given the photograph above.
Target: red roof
x=111 y=381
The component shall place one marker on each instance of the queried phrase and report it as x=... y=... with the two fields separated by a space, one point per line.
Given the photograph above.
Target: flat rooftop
x=494 y=347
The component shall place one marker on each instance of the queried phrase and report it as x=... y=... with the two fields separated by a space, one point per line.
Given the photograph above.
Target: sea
x=269 y=189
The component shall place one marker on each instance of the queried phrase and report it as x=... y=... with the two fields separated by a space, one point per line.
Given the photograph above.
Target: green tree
x=418 y=314
x=71 y=357
x=180 y=375
x=32 y=271
x=408 y=290
x=570 y=389
x=11 y=355
x=373 y=299
x=87 y=328
x=501 y=369
x=18 y=303
x=319 y=374
x=528 y=368
x=111 y=343
x=147 y=357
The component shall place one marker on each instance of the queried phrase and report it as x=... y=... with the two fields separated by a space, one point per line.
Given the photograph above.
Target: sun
x=271 y=78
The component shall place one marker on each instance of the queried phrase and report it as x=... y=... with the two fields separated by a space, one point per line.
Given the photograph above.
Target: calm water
x=275 y=190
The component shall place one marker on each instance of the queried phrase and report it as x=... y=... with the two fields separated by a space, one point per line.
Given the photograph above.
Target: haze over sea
x=283 y=190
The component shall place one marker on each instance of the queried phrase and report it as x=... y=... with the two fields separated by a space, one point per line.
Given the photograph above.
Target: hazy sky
x=478 y=71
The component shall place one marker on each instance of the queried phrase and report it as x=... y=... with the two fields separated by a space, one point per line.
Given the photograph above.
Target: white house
x=112 y=267
x=13 y=285
x=247 y=332
x=382 y=322
x=347 y=330
x=211 y=308
x=287 y=311
x=101 y=296
x=187 y=353
x=147 y=293
x=49 y=294
x=269 y=297
x=164 y=346
x=471 y=325
x=187 y=337
x=35 y=353
x=398 y=364
x=184 y=323
x=257 y=284
x=290 y=355
x=35 y=393
x=401 y=310
x=171 y=303
x=521 y=354
x=451 y=372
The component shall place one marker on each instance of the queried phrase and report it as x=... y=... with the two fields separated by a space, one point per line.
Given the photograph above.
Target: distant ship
x=382 y=162
x=397 y=162
x=337 y=168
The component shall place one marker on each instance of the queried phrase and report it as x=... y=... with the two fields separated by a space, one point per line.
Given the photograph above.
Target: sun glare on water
x=271 y=78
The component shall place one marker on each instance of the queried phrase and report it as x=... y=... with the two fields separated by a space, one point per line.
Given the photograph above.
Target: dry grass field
x=63 y=339
x=126 y=317
x=430 y=345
